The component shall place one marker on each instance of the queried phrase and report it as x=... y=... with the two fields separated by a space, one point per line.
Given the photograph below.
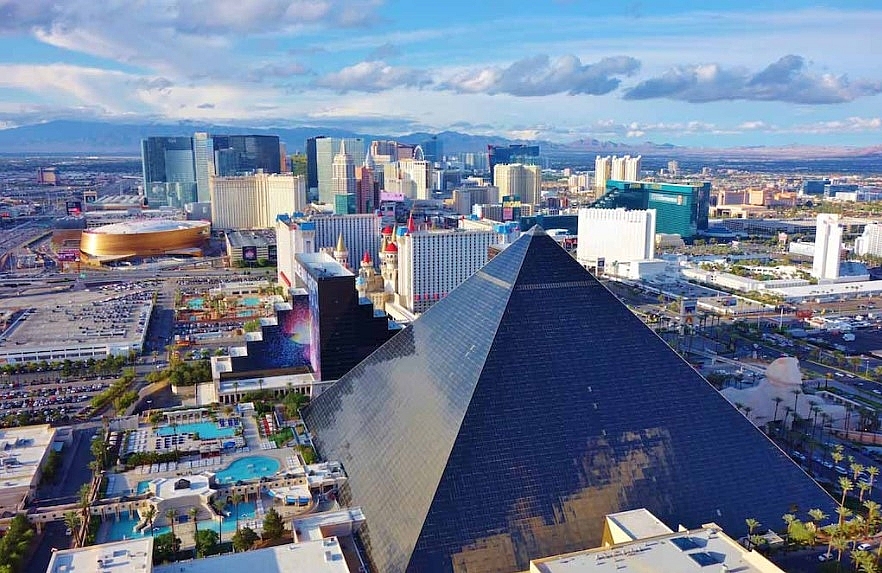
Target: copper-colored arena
x=144 y=238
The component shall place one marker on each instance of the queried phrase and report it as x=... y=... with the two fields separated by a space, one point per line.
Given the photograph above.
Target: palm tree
x=817 y=515
x=149 y=515
x=788 y=518
x=218 y=506
x=777 y=400
x=796 y=392
x=193 y=512
x=872 y=471
x=847 y=485
x=752 y=524
x=171 y=514
x=856 y=470
x=864 y=487
x=237 y=499
x=72 y=521
x=840 y=544
x=872 y=514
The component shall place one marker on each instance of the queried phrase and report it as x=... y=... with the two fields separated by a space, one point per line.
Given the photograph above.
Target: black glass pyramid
x=510 y=418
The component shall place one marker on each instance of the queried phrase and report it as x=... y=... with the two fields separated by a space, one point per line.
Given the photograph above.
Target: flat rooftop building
x=22 y=454
x=659 y=550
x=75 y=326
x=319 y=556
x=128 y=555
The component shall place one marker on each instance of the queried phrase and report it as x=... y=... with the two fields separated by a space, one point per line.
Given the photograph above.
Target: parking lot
x=44 y=399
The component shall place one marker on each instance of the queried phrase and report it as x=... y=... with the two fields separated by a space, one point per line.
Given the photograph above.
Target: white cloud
x=786 y=79
x=372 y=77
x=541 y=76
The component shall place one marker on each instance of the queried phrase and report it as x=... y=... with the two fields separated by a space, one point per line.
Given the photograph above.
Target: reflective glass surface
x=509 y=419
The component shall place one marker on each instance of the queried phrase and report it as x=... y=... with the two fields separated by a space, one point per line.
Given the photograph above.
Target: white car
x=865 y=547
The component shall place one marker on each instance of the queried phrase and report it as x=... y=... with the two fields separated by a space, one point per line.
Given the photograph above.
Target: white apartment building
x=870 y=242
x=524 y=181
x=611 y=236
x=415 y=178
x=253 y=201
x=602 y=171
x=433 y=263
x=320 y=232
x=625 y=168
x=828 y=245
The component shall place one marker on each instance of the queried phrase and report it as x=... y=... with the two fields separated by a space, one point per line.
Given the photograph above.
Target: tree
x=193 y=513
x=244 y=539
x=85 y=494
x=165 y=547
x=237 y=499
x=171 y=514
x=72 y=521
x=273 y=527
x=15 y=543
x=149 y=515
x=778 y=401
x=206 y=542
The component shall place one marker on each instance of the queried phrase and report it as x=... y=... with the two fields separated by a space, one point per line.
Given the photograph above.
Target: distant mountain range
x=95 y=137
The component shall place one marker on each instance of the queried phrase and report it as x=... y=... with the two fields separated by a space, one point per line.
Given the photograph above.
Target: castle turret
x=341 y=254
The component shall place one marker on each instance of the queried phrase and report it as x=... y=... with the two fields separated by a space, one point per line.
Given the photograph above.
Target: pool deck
x=255 y=446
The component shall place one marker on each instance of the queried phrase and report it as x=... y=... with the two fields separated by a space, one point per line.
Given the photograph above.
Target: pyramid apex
x=536 y=231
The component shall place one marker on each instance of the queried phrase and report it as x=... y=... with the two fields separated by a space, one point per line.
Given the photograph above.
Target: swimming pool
x=249 y=468
x=206 y=430
x=143 y=486
x=125 y=527
x=196 y=304
x=250 y=301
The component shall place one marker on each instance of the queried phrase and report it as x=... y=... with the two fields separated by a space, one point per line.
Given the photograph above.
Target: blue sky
x=713 y=74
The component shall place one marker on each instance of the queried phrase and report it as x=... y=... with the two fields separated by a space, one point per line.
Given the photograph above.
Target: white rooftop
x=131 y=556
x=21 y=451
x=181 y=487
x=635 y=524
x=705 y=549
x=320 y=556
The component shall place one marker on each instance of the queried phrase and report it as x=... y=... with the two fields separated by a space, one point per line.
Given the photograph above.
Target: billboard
x=388 y=196
x=272 y=253
x=249 y=254
x=74 y=208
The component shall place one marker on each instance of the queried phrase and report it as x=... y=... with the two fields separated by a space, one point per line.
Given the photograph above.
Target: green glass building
x=681 y=209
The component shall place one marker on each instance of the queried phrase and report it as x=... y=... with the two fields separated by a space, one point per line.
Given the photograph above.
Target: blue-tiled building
x=681 y=209
x=512 y=416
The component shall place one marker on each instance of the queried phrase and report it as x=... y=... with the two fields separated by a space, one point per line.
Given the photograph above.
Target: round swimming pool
x=248 y=468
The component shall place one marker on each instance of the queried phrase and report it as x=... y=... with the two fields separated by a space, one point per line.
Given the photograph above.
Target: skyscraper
x=445 y=448
x=253 y=152
x=342 y=176
x=311 y=165
x=625 y=168
x=524 y=181
x=602 y=172
x=828 y=246
x=203 y=160
x=169 y=170
x=177 y=170
x=254 y=201
x=433 y=149
x=326 y=149
x=518 y=153
x=433 y=263
x=310 y=234
x=615 y=236
x=415 y=178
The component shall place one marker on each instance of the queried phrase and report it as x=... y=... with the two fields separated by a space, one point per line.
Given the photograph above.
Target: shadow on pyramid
x=512 y=416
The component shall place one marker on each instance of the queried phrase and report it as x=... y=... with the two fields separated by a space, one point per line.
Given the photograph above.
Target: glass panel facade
x=509 y=419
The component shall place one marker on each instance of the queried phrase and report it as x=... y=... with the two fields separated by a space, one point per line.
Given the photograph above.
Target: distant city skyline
x=731 y=73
